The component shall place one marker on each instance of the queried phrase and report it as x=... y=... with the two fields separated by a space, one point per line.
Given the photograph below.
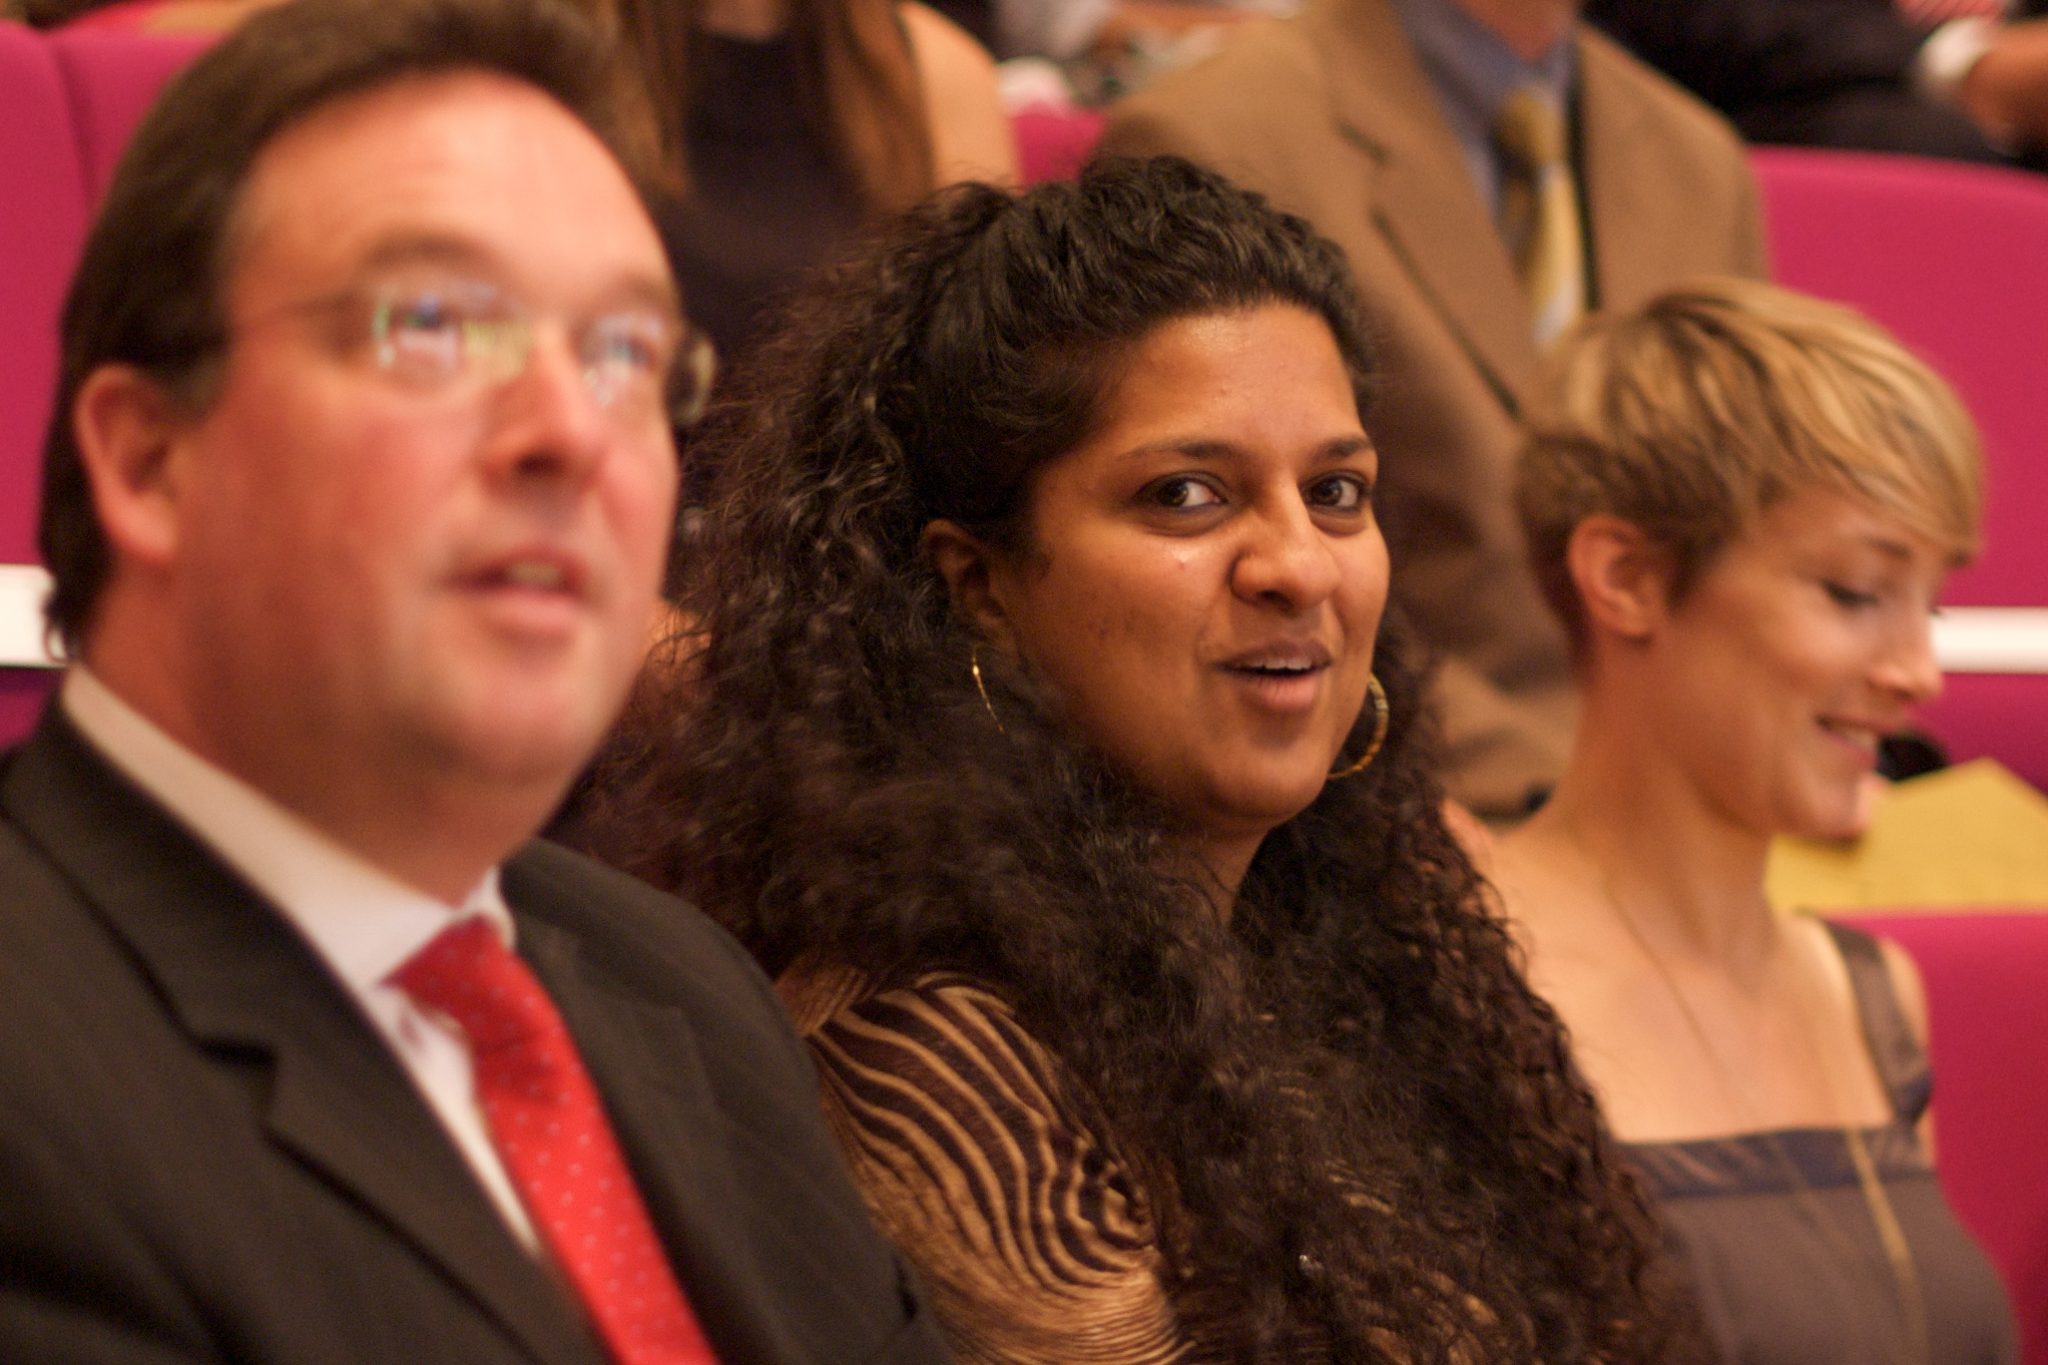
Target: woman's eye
x=1845 y=596
x=1182 y=492
x=1340 y=493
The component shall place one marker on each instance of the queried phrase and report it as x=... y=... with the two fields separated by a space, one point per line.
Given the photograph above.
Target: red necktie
x=551 y=1132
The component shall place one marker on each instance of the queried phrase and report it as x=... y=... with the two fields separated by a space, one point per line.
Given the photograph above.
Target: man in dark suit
x=1871 y=75
x=356 y=504
x=1373 y=119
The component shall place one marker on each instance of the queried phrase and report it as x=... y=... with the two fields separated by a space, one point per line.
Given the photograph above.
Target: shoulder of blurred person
x=971 y=137
x=1853 y=74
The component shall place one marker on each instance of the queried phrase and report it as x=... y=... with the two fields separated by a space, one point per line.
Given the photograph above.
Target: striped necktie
x=1540 y=210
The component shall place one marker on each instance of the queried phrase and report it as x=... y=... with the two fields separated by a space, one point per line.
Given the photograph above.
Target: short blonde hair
x=1691 y=414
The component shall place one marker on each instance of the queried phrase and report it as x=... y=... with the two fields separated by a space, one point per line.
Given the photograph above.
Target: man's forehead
x=460 y=164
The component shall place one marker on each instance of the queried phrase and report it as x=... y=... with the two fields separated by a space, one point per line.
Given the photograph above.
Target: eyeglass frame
x=688 y=376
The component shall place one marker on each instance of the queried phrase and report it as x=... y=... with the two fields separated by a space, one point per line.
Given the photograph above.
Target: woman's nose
x=1286 y=558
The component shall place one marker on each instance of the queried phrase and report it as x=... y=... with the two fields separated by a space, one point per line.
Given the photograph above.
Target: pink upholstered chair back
x=1052 y=143
x=1987 y=996
x=1954 y=259
x=68 y=102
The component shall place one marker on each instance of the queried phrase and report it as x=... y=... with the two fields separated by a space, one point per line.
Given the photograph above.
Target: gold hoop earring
x=1378 y=696
x=974 y=667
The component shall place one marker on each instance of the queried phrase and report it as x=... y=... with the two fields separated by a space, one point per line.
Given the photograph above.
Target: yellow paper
x=1969 y=837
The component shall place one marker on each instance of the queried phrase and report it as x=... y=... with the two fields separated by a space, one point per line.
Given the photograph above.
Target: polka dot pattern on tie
x=550 y=1130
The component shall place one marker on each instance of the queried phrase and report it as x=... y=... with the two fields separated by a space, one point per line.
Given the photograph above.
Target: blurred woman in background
x=1743 y=502
x=792 y=123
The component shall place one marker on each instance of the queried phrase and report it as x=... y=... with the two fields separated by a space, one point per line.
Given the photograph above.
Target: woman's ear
x=968 y=567
x=1623 y=577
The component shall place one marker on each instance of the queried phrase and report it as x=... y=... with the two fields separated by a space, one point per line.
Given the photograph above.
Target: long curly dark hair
x=1353 y=1121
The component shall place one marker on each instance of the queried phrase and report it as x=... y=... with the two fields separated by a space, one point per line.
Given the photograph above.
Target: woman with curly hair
x=1044 y=739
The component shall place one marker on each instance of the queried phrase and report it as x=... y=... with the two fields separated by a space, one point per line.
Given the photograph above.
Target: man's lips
x=543 y=571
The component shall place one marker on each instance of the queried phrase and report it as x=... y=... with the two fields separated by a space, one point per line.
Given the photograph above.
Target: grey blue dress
x=1781 y=1243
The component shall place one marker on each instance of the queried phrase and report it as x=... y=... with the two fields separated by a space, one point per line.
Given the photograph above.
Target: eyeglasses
x=449 y=334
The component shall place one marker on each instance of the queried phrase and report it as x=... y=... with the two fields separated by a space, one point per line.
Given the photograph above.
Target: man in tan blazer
x=1337 y=116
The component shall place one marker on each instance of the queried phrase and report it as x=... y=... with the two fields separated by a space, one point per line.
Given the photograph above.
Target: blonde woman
x=1743 y=503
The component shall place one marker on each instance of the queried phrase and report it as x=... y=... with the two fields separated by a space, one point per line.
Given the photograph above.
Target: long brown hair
x=858 y=86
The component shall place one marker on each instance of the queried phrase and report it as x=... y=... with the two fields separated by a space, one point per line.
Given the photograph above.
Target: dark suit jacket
x=207 y=1154
x=1331 y=115
x=1821 y=73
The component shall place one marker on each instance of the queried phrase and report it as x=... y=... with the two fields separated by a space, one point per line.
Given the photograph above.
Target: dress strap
x=1901 y=1061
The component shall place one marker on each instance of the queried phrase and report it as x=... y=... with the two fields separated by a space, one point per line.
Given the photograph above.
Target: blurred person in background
x=790 y=124
x=1965 y=79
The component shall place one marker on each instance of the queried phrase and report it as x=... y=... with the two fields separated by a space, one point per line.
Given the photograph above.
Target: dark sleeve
x=1025 y=1228
x=1738 y=53
x=77 y=1286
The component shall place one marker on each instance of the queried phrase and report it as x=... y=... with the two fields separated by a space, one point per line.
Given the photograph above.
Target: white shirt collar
x=362 y=921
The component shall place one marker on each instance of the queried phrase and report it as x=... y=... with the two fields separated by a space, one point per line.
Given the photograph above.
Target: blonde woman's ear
x=1623 y=577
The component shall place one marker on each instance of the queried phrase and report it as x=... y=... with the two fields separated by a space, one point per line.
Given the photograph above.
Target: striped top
x=1033 y=1241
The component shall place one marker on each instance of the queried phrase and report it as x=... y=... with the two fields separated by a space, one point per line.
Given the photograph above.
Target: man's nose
x=545 y=418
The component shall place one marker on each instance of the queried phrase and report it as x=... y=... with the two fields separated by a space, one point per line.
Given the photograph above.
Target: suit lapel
x=1421 y=197
x=1642 y=235
x=659 y=1098
x=250 y=992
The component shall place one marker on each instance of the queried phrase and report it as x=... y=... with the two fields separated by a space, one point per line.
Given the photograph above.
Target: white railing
x=1966 y=639
x=22 y=590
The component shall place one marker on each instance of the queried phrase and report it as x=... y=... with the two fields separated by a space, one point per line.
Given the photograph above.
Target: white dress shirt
x=362 y=923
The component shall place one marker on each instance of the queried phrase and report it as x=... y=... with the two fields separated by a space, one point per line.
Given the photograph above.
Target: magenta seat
x=42 y=221
x=112 y=77
x=1987 y=993
x=1053 y=144
x=1994 y=715
x=68 y=102
x=43 y=213
x=1953 y=258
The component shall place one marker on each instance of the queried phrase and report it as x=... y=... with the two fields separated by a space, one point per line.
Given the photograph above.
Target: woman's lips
x=1286 y=678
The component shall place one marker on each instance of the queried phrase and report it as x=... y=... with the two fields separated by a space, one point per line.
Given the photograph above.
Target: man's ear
x=126 y=427
x=1623 y=577
x=969 y=569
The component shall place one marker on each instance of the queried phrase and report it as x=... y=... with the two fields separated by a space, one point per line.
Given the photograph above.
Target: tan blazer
x=1332 y=117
